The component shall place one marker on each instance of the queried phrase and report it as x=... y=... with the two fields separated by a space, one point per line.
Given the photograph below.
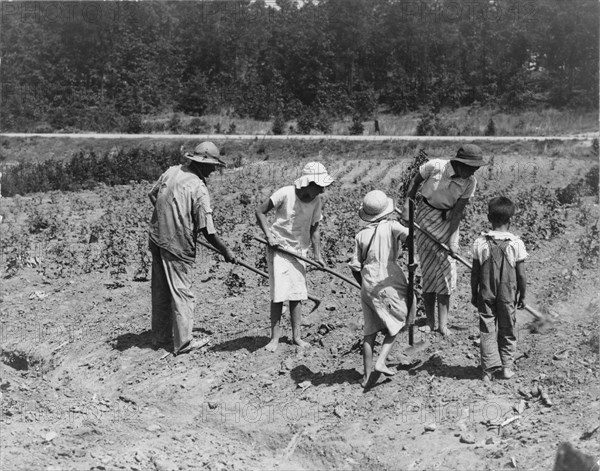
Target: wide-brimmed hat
x=375 y=205
x=470 y=154
x=314 y=172
x=205 y=153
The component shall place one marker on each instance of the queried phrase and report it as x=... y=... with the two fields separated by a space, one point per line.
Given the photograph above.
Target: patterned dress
x=441 y=190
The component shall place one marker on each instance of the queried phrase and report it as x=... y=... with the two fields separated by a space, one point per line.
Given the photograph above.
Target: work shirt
x=442 y=186
x=293 y=219
x=515 y=249
x=181 y=211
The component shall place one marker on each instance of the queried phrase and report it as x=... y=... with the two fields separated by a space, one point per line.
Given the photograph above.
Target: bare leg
x=380 y=366
x=429 y=302
x=443 y=302
x=275 y=326
x=368 y=357
x=296 y=315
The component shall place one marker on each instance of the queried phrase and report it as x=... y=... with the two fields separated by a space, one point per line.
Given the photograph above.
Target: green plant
x=589 y=247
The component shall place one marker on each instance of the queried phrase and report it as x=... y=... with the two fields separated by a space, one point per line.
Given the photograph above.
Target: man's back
x=181 y=210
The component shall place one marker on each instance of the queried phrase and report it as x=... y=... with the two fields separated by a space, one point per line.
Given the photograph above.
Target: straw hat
x=375 y=206
x=470 y=154
x=314 y=172
x=205 y=153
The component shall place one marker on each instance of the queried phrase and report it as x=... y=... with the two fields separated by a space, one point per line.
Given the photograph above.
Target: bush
x=324 y=123
x=134 y=124
x=278 y=124
x=591 y=180
x=357 y=127
x=306 y=121
x=198 y=126
x=43 y=128
x=490 y=129
x=431 y=125
x=174 y=124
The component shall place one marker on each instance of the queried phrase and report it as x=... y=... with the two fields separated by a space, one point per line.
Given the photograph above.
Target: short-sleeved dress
x=291 y=229
x=441 y=190
x=384 y=285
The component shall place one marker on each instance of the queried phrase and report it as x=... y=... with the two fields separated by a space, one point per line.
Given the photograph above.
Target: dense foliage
x=100 y=65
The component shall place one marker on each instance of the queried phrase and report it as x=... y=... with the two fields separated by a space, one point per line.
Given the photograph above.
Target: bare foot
x=272 y=345
x=365 y=381
x=444 y=331
x=507 y=373
x=383 y=369
x=301 y=343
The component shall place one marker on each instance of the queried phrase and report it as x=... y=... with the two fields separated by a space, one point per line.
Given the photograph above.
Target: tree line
x=102 y=65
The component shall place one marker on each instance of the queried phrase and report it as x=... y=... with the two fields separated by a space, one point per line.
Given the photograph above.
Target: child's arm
x=475 y=272
x=521 y=284
x=262 y=220
x=315 y=238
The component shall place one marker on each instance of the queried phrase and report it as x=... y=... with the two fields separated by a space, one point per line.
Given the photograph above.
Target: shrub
x=430 y=124
x=278 y=124
x=357 y=127
x=591 y=180
x=133 y=124
x=174 y=124
x=324 y=123
x=198 y=126
x=490 y=129
x=306 y=121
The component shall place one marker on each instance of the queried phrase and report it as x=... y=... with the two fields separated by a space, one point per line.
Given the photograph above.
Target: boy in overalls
x=498 y=286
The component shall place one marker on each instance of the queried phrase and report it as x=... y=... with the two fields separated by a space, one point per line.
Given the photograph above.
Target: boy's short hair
x=500 y=210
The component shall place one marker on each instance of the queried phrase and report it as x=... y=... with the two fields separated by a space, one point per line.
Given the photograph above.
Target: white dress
x=291 y=229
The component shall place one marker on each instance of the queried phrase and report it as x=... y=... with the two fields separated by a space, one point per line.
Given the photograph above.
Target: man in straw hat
x=182 y=211
x=447 y=187
x=296 y=226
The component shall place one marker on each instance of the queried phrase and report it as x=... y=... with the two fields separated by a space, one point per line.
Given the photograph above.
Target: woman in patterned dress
x=447 y=186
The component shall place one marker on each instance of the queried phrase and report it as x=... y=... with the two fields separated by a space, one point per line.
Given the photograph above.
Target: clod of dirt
x=164 y=465
x=544 y=395
x=467 y=438
x=524 y=393
x=153 y=428
x=430 y=427
x=561 y=355
x=340 y=411
x=489 y=441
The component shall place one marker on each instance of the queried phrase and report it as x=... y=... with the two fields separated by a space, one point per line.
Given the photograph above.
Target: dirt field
x=82 y=388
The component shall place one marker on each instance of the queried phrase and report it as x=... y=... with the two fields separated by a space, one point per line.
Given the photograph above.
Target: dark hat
x=471 y=155
x=205 y=153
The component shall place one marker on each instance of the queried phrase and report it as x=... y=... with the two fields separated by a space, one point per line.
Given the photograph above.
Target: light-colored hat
x=205 y=153
x=314 y=172
x=470 y=154
x=375 y=206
